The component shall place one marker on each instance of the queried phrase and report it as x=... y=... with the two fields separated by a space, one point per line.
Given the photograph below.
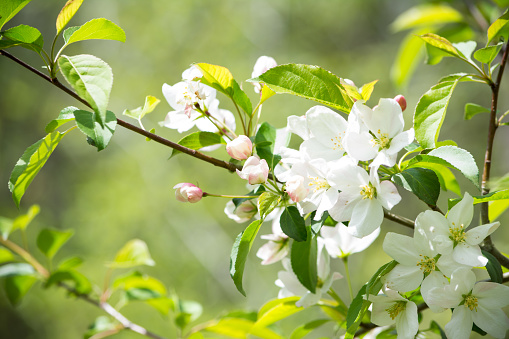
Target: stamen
x=396 y=309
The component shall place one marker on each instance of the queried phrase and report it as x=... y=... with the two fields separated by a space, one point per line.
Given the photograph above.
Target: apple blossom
x=262 y=65
x=277 y=247
x=256 y=171
x=240 y=148
x=187 y=192
x=241 y=213
x=401 y=101
x=296 y=189
x=479 y=303
x=340 y=243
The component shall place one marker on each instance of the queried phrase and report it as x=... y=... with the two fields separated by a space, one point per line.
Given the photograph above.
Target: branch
x=399 y=219
x=216 y=162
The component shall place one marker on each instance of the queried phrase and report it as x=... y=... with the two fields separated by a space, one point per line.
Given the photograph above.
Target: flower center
x=396 y=309
x=457 y=234
x=368 y=192
x=382 y=140
x=427 y=264
x=336 y=143
x=318 y=183
x=471 y=302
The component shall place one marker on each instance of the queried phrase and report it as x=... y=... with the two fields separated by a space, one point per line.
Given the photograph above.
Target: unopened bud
x=401 y=101
x=255 y=170
x=186 y=192
x=296 y=189
x=240 y=148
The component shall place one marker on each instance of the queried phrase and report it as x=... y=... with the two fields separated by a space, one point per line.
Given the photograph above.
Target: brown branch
x=399 y=219
x=196 y=154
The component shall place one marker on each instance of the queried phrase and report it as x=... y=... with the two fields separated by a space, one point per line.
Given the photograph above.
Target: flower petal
x=462 y=212
x=404 y=278
x=491 y=321
x=460 y=325
x=469 y=255
x=388 y=195
x=401 y=140
x=407 y=323
x=367 y=216
x=491 y=295
x=401 y=248
x=477 y=234
x=433 y=280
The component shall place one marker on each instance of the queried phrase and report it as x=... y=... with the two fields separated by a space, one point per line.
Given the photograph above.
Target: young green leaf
x=92 y=79
x=304 y=261
x=267 y=202
x=49 y=241
x=198 y=140
x=31 y=163
x=187 y=311
x=16 y=287
x=66 y=115
x=240 y=328
x=22 y=221
x=276 y=310
x=5 y=227
x=310 y=82
x=367 y=90
x=474 y=109
x=493 y=196
x=9 y=8
x=441 y=43
x=70 y=8
x=133 y=253
x=409 y=55
x=101 y=29
x=266 y=93
x=5 y=255
x=81 y=283
x=430 y=113
x=422 y=182
x=500 y=28
x=494 y=268
x=151 y=103
x=293 y=224
x=266 y=133
x=426 y=15
x=239 y=253
x=99 y=134
x=487 y=54
x=303 y=330
x=25 y=36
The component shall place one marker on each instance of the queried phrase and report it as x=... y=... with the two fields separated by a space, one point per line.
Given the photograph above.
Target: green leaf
x=70 y=8
x=99 y=134
x=355 y=307
x=9 y=8
x=187 y=311
x=430 y=113
x=151 y=103
x=466 y=48
x=487 y=54
x=16 y=269
x=92 y=79
x=69 y=263
x=101 y=324
x=264 y=142
x=266 y=93
x=422 y=182
x=140 y=287
x=5 y=227
x=49 y=241
x=303 y=330
x=221 y=78
x=474 y=109
x=5 y=255
x=409 y=56
x=133 y=253
x=267 y=202
x=25 y=36
x=441 y=43
x=241 y=328
x=494 y=268
x=461 y=77
x=493 y=196
x=445 y=177
x=22 y=221
x=497 y=208
x=310 y=82
x=17 y=286
x=304 y=261
x=367 y=90
x=500 y=28
x=81 y=283
x=198 y=140
x=255 y=193
x=101 y=29
x=426 y=15
x=66 y=115
x=69 y=32
x=276 y=310
x=293 y=224
x=31 y=163
x=239 y=253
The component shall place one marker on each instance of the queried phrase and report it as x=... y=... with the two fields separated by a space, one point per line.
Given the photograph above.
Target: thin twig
x=399 y=219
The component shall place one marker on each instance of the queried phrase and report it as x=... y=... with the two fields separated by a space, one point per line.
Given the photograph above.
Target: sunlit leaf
x=49 y=241
x=409 y=56
x=187 y=311
x=80 y=283
x=266 y=93
x=198 y=140
x=5 y=255
x=441 y=43
x=25 y=36
x=99 y=135
x=22 y=221
x=426 y=15
x=16 y=287
x=500 y=28
x=276 y=310
x=16 y=269
x=70 y=8
x=267 y=202
x=134 y=253
x=240 y=328
x=303 y=330
x=101 y=29
x=474 y=109
x=101 y=324
x=367 y=90
x=487 y=54
x=66 y=115
x=304 y=260
x=151 y=103
x=69 y=263
x=9 y=8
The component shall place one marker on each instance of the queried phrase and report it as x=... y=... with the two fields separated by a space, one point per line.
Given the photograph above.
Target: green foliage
x=303 y=330
x=100 y=29
x=293 y=224
x=430 y=113
x=49 y=241
x=493 y=196
x=198 y=140
x=9 y=8
x=422 y=182
x=70 y=8
x=22 y=221
x=500 y=28
x=304 y=260
x=310 y=82
x=5 y=255
x=24 y=36
x=92 y=79
x=426 y=15
x=474 y=109
x=81 y=284
x=264 y=142
x=494 y=268
x=186 y=311
x=66 y=115
x=446 y=178
x=276 y=310
x=16 y=287
x=241 y=328
x=138 y=113
x=267 y=202
x=133 y=253
x=239 y=253
x=5 y=227
x=30 y=163
x=487 y=54
x=99 y=134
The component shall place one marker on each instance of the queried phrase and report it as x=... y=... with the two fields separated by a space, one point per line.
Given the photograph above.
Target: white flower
x=362 y=197
x=378 y=133
x=296 y=189
x=340 y=243
x=255 y=170
x=242 y=213
x=393 y=308
x=187 y=192
x=240 y=148
x=277 y=246
x=262 y=65
x=450 y=235
x=479 y=303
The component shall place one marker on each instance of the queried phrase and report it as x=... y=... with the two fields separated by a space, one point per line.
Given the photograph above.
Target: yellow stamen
x=396 y=309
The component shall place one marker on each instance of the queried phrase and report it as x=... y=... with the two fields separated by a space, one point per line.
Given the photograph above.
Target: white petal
x=387 y=118
x=433 y=224
x=379 y=315
x=343 y=208
x=491 y=295
x=401 y=248
x=401 y=140
x=460 y=325
x=462 y=280
x=367 y=216
x=462 y=212
x=469 y=255
x=360 y=146
x=314 y=149
x=477 y=234
x=434 y=279
x=492 y=321
x=388 y=194
x=447 y=265
x=404 y=278
x=298 y=125
x=444 y=297
x=407 y=323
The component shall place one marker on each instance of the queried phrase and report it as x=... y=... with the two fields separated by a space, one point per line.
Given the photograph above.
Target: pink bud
x=186 y=192
x=296 y=189
x=401 y=101
x=255 y=170
x=240 y=148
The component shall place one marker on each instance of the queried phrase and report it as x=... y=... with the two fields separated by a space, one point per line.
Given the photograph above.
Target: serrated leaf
x=441 y=43
x=493 y=196
x=133 y=253
x=239 y=253
x=70 y=8
x=422 y=182
x=99 y=134
x=91 y=78
x=9 y=8
x=15 y=269
x=16 y=287
x=303 y=330
x=198 y=140
x=221 y=78
x=151 y=103
x=264 y=142
x=499 y=28
x=487 y=54
x=267 y=202
x=310 y=82
x=276 y=310
x=367 y=90
x=430 y=113
x=49 y=241
x=25 y=36
x=409 y=56
x=461 y=77
x=69 y=32
x=304 y=261
x=101 y=29
x=292 y=224
x=474 y=109
x=66 y=115
x=425 y=15
x=30 y=163
x=494 y=268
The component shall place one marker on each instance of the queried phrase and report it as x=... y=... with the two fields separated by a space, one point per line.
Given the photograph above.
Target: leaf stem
x=347 y=273
x=205 y=194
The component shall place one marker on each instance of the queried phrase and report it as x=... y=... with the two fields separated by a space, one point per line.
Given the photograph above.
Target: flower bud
x=296 y=189
x=186 y=192
x=401 y=101
x=255 y=170
x=242 y=213
x=240 y=148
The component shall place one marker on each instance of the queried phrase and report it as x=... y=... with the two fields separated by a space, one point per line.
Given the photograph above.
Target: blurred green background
x=125 y=191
